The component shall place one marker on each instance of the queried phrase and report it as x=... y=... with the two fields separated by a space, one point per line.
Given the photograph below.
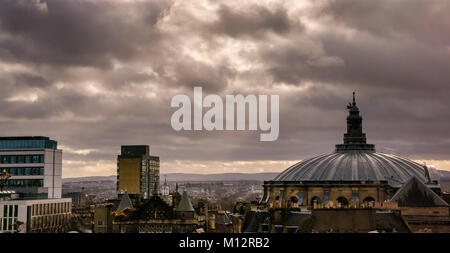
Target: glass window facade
x=18 y=159
x=27 y=142
x=25 y=171
x=25 y=183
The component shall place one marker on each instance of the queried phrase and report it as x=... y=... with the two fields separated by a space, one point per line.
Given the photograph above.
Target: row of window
x=50 y=221
x=10 y=213
x=48 y=215
x=10 y=210
x=7 y=159
x=6 y=224
x=342 y=200
x=22 y=171
x=326 y=197
x=156 y=229
x=51 y=208
x=27 y=143
x=25 y=183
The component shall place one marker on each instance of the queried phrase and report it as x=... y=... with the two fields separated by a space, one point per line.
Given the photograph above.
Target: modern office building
x=31 y=200
x=35 y=165
x=137 y=171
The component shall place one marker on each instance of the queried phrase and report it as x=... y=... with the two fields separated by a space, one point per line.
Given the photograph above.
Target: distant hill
x=179 y=177
x=445 y=181
x=85 y=179
x=444 y=173
x=189 y=177
x=219 y=177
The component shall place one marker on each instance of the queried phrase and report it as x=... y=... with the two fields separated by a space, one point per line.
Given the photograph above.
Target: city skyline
x=99 y=74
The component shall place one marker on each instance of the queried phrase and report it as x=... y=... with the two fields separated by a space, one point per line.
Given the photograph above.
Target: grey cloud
x=189 y=73
x=76 y=33
x=30 y=80
x=399 y=71
x=253 y=21
x=425 y=21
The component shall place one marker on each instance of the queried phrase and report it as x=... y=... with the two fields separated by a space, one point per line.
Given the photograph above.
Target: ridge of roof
x=185 y=204
x=125 y=202
x=416 y=193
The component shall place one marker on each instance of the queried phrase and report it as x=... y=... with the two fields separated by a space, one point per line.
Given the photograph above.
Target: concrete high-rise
x=137 y=171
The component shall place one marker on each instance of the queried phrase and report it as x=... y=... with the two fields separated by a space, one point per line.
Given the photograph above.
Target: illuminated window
x=343 y=201
x=315 y=199
x=368 y=200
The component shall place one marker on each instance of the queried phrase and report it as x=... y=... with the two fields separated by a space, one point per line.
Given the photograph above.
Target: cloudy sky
x=97 y=74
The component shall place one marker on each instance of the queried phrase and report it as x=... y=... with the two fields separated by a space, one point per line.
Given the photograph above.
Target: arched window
x=315 y=199
x=343 y=201
x=294 y=199
x=368 y=200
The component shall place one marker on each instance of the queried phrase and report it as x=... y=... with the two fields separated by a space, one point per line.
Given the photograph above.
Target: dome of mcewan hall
x=355 y=171
x=351 y=165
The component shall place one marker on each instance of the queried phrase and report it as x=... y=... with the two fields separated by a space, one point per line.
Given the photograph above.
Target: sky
x=97 y=74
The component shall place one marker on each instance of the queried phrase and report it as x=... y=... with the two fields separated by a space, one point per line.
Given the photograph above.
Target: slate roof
x=222 y=218
x=354 y=160
x=301 y=222
x=125 y=202
x=415 y=193
x=354 y=166
x=185 y=204
x=388 y=221
x=253 y=219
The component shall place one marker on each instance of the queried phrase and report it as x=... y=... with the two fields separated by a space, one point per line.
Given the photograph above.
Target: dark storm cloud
x=253 y=21
x=30 y=80
x=190 y=73
x=97 y=74
x=15 y=81
x=367 y=62
x=76 y=33
x=123 y=77
x=424 y=21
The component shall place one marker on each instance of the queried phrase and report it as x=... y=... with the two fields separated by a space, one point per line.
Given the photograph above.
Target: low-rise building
x=35 y=216
x=152 y=215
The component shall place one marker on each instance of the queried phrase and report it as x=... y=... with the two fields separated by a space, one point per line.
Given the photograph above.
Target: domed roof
x=355 y=160
x=354 y=165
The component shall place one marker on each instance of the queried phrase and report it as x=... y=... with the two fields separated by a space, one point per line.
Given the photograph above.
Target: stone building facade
x=153 y=215
x=353 y=189
x=354 y=175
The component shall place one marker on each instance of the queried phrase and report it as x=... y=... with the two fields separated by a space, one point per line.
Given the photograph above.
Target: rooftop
x=27 y=142
x=417 y=194
x=125 y=202
x=134 y=150
x=185 y=204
